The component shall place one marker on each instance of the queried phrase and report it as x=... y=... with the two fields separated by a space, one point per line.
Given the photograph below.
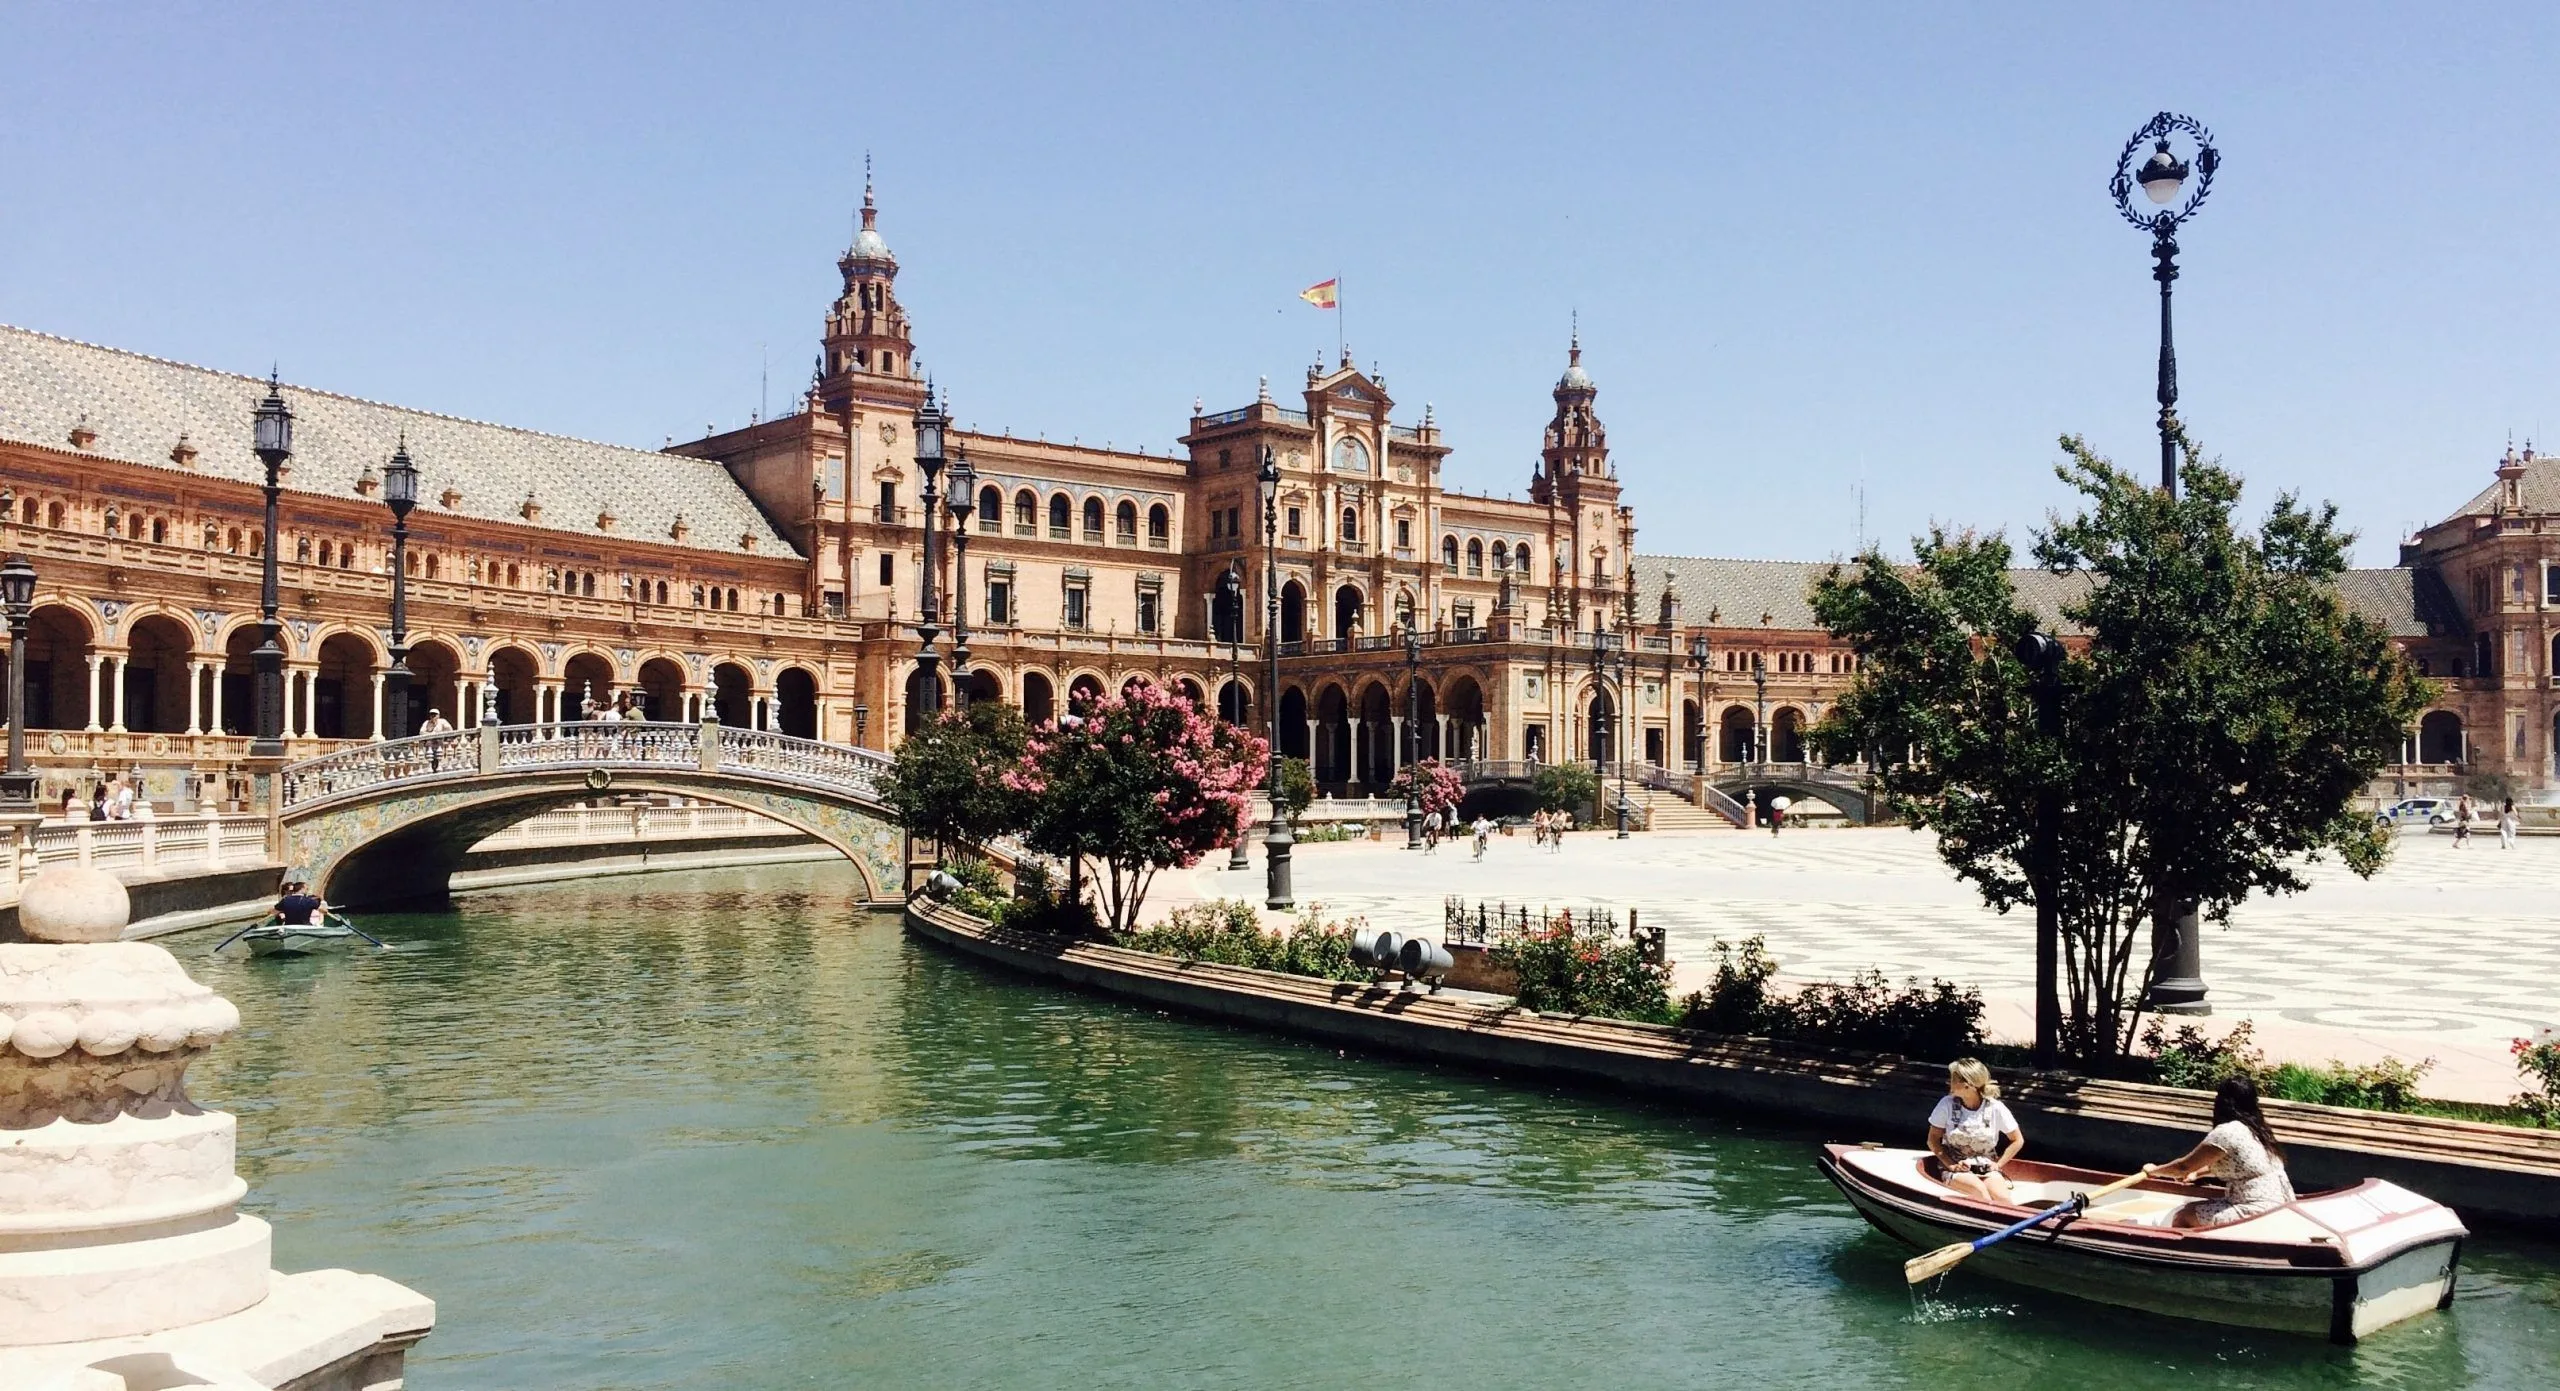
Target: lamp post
x=1698 y=674
x=861 y=723
x=272 y=440
x=2041 y=654
x=1609 y=725
x=399 y=493
x=2161 y=177
x=2177 y=947
x=18 y=598
x=964 y=501
x=1759 y=710
x=1278 y=844
x=1229 y=610
x=928 y=422
x=1412 y=735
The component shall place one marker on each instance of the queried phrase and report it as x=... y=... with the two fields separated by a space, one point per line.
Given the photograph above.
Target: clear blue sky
x=1808 y=247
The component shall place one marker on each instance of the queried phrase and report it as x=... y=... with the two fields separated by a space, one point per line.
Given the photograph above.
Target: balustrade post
x=710 y=746
x=88 y=843
x=489 y=749
x=150 y=846
x=212 y=836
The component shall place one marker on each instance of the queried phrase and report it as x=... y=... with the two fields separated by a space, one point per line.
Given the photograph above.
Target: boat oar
x=236 y=936
x=1946 y=1258
x=360 y=932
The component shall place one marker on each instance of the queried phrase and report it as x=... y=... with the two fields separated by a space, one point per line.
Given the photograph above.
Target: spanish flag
x=1324 y=295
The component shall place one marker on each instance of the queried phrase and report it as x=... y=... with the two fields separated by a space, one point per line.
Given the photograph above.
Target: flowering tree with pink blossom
x=1137 y=781
x=1442 y=788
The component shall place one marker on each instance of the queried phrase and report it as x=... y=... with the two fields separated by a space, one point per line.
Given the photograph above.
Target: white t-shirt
x=1973 y=1130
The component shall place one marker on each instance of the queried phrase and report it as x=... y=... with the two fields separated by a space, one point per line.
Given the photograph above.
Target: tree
x=1565 y=787
x=938 y=784
x=1297 y=787
x=1442 y=787
x=1138 y=781
x=2221 y=709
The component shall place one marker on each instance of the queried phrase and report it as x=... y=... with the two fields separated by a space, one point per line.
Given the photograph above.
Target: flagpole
x=1341 y=324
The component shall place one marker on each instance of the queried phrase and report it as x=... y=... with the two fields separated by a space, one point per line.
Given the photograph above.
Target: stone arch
x=1293 y=723
x=1693 y=733
x=733 y=695
x=2441 y=737
x=586 y=684
x=1333 y=733
x=1039 y=697
x=1349 y=607
x=1235 y=702
x=1084 y=687
x=661 y=688
x=795 y=702
x=1737 y=735
x=435 y=683
x=341 y=690
x=377 y=649
x=1374 y=757
x=154 y=672
x=1601 y=725
x=1465 y=704
x=1786 y=735
x=985 y=687
x=514 y=671
x=924 y=697
x=1293 y=612
x=1189 y=690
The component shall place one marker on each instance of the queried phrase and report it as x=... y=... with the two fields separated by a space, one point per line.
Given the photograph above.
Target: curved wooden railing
x=746 y=755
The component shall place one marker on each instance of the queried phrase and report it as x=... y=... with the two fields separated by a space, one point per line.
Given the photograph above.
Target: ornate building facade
x=770 y=577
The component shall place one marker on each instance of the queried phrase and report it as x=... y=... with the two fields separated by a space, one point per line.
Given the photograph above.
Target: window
x=1125 y=523
x=1234 y=521
x=888 y=570
x=990 y=509
x=888 y=502
x=1226 y=457
x=833 y=599
x=328 y=555
x=1297 y=522
x=1350 y=455
x=1501 y=557
x=999 y=601
x=1026 y=512
x=1404 y=534
x=1150 y=604
x=1523 y=561
x=1093 y=519
x=1058 y=514
x=2550 y=582
x=1465 y=610
x=346 y=557
x=1475 y=555
x=1160 y=525
x=302 y=550
x=832 y=476
x=159 y=530
x=1074 y=611
x=1350 y=524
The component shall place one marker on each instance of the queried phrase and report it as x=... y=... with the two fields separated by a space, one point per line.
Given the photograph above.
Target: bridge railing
x=462 y=754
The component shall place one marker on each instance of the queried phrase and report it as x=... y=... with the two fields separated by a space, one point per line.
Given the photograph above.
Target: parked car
x=2425 y=811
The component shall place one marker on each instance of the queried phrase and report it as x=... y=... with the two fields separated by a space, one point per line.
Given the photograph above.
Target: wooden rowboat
x=2341 y=1265
x=282 y=939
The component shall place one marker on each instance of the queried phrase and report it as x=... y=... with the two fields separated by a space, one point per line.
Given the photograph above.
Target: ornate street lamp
x=929 y=422
x=1228 y=608
x=2177 y=947
x=1760 y=710
x=272 y=439
x=2041 y=654
x=17 y=598
x=1412 y=735
x=399 y=493
x=1608 y=725
x=2161 y=177
x=964 y=501
x=861 y=722
x=1698 y=673
x=1278 y=844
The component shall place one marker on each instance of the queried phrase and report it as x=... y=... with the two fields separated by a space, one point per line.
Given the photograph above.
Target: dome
x=1574 y=379
x=869 y=246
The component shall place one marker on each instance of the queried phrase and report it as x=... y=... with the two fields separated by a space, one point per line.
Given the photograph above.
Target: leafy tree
x=1565 y=787
x=1442 y=787
x=939 y=784
x=1297 y=787
x=1138 y=781
x=2221 y=709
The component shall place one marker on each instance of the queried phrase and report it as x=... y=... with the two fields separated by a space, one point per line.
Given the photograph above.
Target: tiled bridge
x=390 y=821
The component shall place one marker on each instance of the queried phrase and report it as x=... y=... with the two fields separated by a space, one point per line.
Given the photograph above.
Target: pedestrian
x=2462 y=822
x=121 y=809
x=2508 y=824
x=1538 y=828
x=98 y=803
x=1484 y=834
x=70 y=804
x=436 y=724
x=1777 y=816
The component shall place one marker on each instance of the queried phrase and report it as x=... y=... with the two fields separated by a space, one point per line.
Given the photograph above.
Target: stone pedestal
x=124 y=1258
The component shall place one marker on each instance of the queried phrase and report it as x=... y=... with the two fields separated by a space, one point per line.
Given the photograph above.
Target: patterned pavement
x=2447 y=951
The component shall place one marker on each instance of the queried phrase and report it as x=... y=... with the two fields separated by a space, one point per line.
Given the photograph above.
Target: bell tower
x=1589 y=535
x=867 y=355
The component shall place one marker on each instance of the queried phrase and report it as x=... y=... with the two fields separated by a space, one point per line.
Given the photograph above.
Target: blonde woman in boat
x=2242 y=1152
x=1972 y=1134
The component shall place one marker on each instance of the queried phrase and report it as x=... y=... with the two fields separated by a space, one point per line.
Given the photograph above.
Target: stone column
x=195 y=697
x=289 y=725
x=378 y=679
x=1315 y=751
x=1395 y=756
x=93 y=727
x=311 y=704
x=215 y=724
x=115 y=692
x=1447 y=754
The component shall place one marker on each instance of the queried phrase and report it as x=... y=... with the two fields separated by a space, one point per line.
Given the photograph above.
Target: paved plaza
x=2447 y=953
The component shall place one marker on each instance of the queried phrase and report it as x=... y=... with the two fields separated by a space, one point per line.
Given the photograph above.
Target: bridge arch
x=389 y=822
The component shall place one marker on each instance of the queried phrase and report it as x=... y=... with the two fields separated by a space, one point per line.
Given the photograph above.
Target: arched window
x=1160 y=526
x=587 y=585
x=431 y=566
x=302 y=550
x=159 y=531
x=1026 y=510
x=133 y=528
x=733 y=601
x=662 y=591
x=1350 y=523
x=1475 y=555
x=1501 y=557
x=697 y=596
x=777 y=605
x=1093 y=519
x=514 y=580
x=328 y=555
x=346 y=557
x=1449 y=553
x=1125 y=522
x=1059 y=511
x=990 y=508
x=53 y=516
x=27 y=514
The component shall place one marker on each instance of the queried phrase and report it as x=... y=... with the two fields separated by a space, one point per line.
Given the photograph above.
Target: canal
x=726 y=1129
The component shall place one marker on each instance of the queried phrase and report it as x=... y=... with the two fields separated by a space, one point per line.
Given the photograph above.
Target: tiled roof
x=1740 y=591
x=2541 y=490
x=139 y=405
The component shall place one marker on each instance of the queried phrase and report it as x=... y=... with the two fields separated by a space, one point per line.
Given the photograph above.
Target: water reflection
x=727 y=1129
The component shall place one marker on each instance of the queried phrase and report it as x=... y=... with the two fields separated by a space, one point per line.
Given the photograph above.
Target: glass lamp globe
x=2162 y=175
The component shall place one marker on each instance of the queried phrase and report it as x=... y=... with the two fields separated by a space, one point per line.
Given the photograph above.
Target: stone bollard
x=122 y=1246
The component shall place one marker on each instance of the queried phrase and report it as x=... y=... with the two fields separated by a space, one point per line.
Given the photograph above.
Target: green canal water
x=727 y=1130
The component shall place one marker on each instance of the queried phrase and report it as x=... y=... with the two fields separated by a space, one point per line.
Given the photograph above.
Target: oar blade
x=1936 y=1263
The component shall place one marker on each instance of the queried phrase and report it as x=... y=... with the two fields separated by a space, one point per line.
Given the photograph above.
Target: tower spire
x=870 y=210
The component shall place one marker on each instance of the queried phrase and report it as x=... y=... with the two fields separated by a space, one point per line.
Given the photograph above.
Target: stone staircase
x=1669 y=811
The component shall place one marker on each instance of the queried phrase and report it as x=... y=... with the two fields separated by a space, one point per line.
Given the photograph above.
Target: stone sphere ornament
x=74 y=903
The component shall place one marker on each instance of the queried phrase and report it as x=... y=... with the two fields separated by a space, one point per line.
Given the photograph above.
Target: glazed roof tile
x=139 y=406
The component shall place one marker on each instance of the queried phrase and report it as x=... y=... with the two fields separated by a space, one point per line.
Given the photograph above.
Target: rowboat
x=2343 y=1264
x=289 y=939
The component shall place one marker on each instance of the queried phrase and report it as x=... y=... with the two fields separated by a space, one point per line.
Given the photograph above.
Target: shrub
x=1565 y=787
x=1936 y=1020
x=1229 y=932
x=2538 y=1058
x=1562 y=972
x=1297 y=787
x=977 y=874
x=2188 y=1058
x=1053 y=917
